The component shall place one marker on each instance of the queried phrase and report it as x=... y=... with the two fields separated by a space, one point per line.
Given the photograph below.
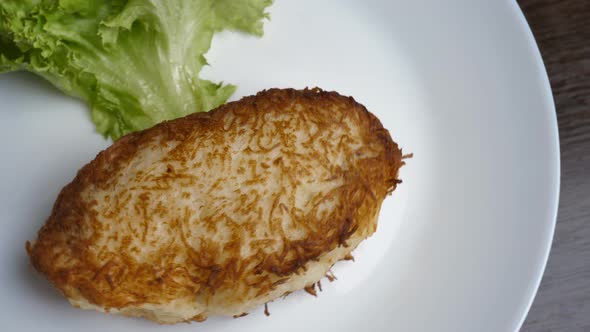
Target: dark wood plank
x=562 y=30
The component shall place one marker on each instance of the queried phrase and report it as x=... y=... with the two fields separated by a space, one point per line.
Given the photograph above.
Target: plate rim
x=554 y=151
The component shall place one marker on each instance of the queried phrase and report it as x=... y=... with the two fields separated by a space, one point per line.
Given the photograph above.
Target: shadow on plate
x=36 y=85
x=38 y=285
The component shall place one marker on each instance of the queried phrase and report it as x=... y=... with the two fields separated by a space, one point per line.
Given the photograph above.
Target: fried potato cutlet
x=217 y=213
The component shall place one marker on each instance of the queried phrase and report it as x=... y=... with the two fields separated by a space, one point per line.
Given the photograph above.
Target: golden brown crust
x=104 y=241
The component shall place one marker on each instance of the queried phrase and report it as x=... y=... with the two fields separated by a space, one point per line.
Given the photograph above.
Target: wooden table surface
x=562 y=30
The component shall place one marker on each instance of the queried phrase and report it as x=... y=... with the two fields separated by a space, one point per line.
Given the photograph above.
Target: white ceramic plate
x=461 y=246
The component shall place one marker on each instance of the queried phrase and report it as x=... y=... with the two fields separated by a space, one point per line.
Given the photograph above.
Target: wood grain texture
x=562 y=30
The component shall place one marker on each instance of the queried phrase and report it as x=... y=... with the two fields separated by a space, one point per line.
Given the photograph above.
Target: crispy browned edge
x=69 y=206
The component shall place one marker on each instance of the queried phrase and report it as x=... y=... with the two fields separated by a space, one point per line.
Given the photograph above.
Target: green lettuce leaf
x=136 y=62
